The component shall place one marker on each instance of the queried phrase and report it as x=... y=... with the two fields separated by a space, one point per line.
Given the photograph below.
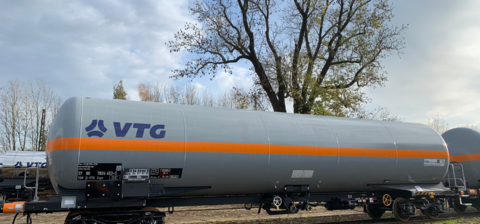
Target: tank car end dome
x=464 y=147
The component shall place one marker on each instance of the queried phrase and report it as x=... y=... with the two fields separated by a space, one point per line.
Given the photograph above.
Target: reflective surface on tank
x=464 y=144
x=242 y=151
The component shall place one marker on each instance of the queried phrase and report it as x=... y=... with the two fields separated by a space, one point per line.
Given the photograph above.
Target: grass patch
x=473 y=220
x=453 y=221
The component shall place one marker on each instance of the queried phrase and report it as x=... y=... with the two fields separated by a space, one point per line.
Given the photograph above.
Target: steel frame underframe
x=54 y=204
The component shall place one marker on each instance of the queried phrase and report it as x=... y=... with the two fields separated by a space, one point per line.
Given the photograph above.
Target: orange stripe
x=63 y=143
x=220 y=147
x=367 y=152
x=303 y=150
x=226 y=147
x=467 y=157
x=422 y=154
x=114 y=144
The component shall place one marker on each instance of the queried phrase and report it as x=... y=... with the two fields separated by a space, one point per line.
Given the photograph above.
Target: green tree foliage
x=119 y=92
x=350 y=103
x=307 y=51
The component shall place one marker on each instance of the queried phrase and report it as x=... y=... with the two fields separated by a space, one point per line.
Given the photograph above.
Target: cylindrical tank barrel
x=236 y=151
x=14 y=164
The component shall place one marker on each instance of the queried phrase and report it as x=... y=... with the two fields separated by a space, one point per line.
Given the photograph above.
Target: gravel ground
x=237 y=214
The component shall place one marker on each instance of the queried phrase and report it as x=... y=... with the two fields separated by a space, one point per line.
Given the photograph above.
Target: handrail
x=458 y=179
x=36 y=181
x=463 y=174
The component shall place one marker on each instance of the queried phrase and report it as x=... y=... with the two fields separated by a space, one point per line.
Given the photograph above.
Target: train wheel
x=400 y=210
x=293 y=209
x=374 y=212
x=423 y=212
x=308 y=208
x=432 y=212
x=458 y=207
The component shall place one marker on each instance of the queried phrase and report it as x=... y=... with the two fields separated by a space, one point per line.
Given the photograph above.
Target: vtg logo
x=30 y=164
x=100 y=133
x=156 y=131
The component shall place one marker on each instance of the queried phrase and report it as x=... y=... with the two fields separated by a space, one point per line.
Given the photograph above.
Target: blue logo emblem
x=92 y=126
x=30 y=164
x=18 y=164
x=155 y=131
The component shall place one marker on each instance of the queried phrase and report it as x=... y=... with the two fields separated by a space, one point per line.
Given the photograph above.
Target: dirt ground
x=227 y=214
x=204 y=214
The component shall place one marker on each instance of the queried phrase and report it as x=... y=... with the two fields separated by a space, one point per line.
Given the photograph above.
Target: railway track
x=236 y=215
x=415 y=219
x=347 y=219
x=194 y=216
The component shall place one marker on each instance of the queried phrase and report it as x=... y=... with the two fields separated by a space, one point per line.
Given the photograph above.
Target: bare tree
x=159 y=92
x=145 y=92
x=191 y=96
x=380 y=113
x=174 y=94
x=225 y=100
x=44 y=98
x=471 y=126
x=438 y=124
x=21 y=108
x=207 y=99
x=10 y=100
x=236 y=98
x=57 y=103
x=293 y=47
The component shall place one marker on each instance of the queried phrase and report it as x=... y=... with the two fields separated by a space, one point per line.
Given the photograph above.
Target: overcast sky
x=81 y=48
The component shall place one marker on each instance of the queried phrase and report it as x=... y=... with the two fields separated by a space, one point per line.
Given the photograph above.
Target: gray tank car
x=115 y=158
x=464 y=171
x=19 y=168
x=236 y=151
x=15 y=163
x=463 y=144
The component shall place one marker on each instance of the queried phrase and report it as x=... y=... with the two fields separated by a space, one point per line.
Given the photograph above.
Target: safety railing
x=456 y=176
x=35 y=198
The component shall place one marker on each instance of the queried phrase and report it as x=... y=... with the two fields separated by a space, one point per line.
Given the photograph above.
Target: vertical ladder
x=456 y=176
x=35 y=198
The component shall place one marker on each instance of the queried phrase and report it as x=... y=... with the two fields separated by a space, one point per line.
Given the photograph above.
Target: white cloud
x=439 y=72
x=83 y=47
x=239 y=78
x=199 y=86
